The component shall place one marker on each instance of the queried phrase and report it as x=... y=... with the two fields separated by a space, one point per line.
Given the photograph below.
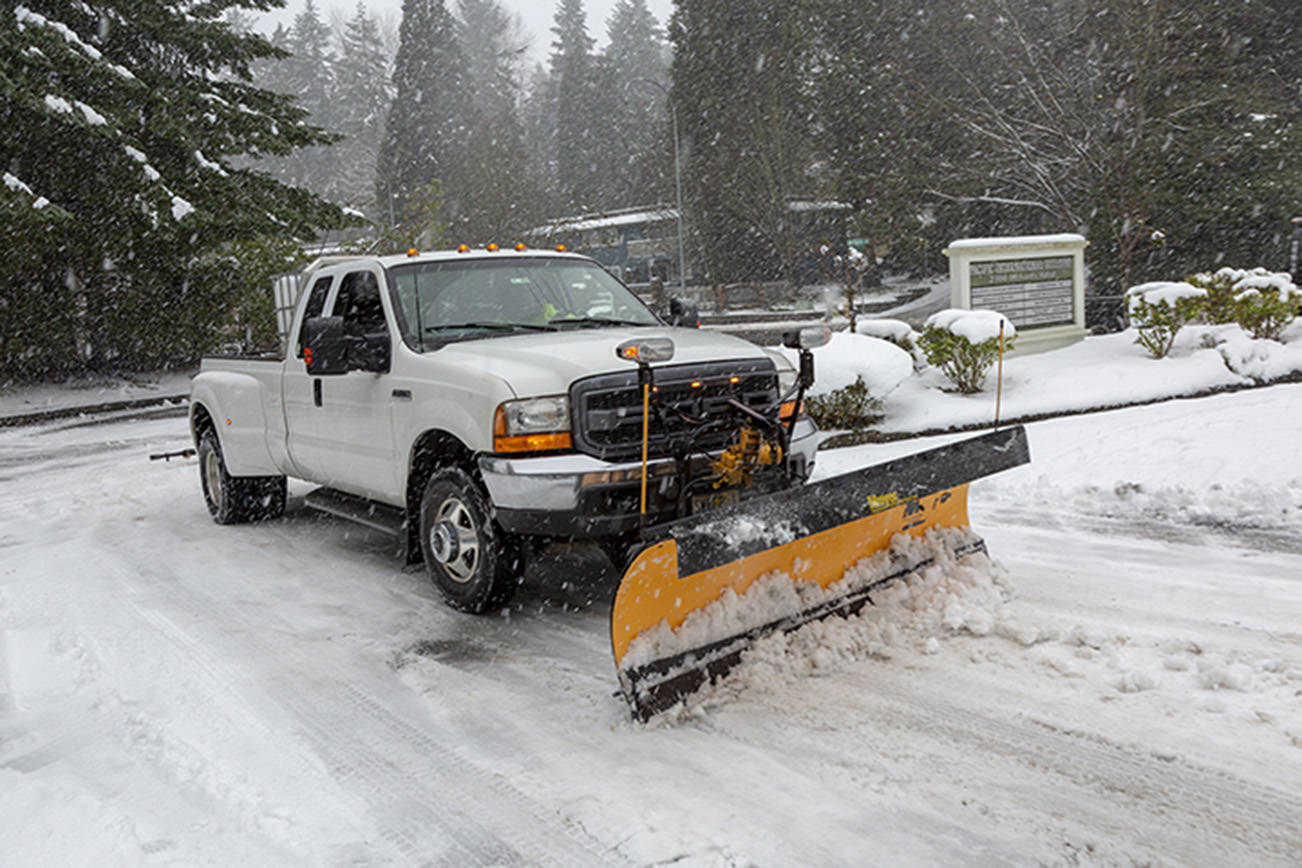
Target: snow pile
x=937 y=595
x=1260 y=360
x=1161 y=292
x=881 y=364
x=978 y=326
x=893 y=330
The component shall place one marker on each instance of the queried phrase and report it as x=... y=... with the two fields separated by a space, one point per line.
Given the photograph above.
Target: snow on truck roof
x=414 y=255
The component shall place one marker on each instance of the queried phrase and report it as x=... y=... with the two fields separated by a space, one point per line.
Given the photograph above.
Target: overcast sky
x=536 y=14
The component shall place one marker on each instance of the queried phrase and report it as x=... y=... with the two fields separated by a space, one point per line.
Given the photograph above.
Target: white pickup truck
x=472 y=401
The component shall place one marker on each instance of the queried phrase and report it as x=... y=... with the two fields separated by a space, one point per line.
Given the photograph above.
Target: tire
x=473 y=562
x=236 y=499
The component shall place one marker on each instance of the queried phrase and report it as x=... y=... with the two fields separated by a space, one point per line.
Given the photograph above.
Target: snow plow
x=694 y=599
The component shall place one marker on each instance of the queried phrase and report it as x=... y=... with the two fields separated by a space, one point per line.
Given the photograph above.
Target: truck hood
x=547 y=363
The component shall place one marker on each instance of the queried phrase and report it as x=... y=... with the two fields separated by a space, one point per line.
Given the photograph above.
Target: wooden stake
x=999 y=385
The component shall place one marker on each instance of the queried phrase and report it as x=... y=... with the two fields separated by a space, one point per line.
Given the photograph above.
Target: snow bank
x=881 y=364
x=978 y=326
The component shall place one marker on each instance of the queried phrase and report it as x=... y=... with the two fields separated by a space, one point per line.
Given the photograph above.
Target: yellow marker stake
x=646 y=422
x=999 y=383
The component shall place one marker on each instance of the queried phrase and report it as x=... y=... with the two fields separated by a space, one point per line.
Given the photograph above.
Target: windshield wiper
x=492 y=326
x=594 y=320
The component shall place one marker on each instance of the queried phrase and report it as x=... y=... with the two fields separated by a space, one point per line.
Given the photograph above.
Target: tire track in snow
x=430 y=804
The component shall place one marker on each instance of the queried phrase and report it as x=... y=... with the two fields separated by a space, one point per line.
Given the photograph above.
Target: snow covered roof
x=606 y=220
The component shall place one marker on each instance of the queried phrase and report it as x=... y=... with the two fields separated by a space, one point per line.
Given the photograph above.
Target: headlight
x=532 y=425
x=786 y=380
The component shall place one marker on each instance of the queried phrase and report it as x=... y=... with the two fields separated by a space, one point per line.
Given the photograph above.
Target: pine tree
x=639 y=133
x=740 y=84
x=491 y=193
x=362 y=96
x=426 y=119
x=579 y=160
x=127 y=118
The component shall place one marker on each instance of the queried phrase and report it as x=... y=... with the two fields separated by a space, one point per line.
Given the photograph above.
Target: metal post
x=678 y=187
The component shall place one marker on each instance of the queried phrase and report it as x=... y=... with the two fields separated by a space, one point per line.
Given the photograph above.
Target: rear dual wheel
x=475 y=564
x=236 y=499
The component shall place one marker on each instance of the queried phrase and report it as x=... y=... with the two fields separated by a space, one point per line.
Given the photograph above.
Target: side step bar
x=369 y=513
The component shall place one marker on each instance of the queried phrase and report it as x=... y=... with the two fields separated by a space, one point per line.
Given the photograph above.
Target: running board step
x=369 y=513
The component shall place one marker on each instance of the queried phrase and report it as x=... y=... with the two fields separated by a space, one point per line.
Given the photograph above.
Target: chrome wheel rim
x=212 y=476
x=454 y=540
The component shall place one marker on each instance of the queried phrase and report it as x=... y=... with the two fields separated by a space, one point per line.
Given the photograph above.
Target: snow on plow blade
x=668 y=639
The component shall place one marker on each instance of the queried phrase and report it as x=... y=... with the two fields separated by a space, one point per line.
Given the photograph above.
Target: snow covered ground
x=1123 y=686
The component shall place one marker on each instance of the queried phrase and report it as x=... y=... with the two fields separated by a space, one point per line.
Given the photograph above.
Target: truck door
x=302 y=419
x=353 y=424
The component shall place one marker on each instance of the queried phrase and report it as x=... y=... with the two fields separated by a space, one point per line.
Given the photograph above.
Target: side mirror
x=684 y=312
x=325 y=347
x=807 y=338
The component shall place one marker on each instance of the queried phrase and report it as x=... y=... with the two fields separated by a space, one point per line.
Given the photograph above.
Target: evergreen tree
x=579 y=159
x=123 y=124
x=425 y=121
x=740 y=83
x=538 y=122
x=361 y=98
x=639 y=132
x=491 y=192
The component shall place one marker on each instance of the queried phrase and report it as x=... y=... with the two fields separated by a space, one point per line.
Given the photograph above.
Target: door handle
x=316 y=392
x=402 y=394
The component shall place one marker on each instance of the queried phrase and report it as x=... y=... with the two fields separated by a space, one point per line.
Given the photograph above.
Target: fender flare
x=235 y=405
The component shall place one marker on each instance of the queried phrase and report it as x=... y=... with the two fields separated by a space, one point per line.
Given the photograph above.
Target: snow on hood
x=547 y=363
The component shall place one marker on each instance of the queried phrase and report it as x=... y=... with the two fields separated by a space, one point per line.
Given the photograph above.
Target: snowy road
x=1127 y=691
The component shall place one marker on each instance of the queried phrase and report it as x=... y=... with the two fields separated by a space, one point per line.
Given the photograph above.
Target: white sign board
x=1037 y=281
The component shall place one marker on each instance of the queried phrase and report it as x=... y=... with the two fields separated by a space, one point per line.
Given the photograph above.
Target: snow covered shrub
x=896 y=331
x=1159 y=310
x=849 y=408
x=1218 y=306
x=1262 y=302
x=964 y=344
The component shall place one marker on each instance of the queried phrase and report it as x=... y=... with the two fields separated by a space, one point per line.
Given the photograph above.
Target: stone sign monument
x=1037 y=281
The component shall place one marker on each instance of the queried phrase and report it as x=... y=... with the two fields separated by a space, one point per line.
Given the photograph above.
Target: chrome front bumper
x=523 y=489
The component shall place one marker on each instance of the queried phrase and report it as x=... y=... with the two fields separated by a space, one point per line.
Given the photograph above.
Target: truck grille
x=607 y=409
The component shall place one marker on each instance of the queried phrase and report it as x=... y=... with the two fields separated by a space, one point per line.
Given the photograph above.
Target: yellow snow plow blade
x=812 y=534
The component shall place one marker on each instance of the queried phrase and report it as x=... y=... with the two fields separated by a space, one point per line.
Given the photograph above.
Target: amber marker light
x=463 y=248
x=412 y=251
x=492 y=248
x=560 y=248
x=646 y=351
x=789 y=409
x=521 y=246
x=734 y=380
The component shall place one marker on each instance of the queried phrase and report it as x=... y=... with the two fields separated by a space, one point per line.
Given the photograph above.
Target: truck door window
x=358 y=302
x=315 y=304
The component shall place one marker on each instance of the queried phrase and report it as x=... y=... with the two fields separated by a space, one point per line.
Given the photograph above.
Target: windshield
x=473 y=298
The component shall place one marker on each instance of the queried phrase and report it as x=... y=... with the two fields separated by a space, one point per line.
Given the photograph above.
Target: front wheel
x=235 y=499
x=474 y=563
